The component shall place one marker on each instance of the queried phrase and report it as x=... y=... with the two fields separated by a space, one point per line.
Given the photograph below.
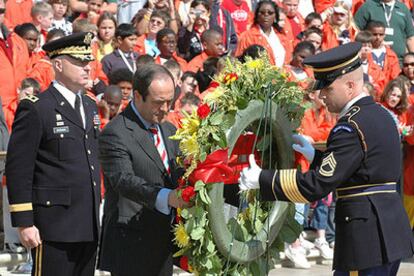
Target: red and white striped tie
x=160 y=147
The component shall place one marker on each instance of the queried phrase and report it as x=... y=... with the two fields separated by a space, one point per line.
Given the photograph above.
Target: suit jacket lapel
x=142 y=136
x=64 y=108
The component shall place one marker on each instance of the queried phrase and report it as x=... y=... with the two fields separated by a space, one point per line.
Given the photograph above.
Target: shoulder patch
x=328 y=165
x=31 y=98
x=342 y=127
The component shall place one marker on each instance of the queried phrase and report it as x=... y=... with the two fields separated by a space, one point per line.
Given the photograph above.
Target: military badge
x=328 y=165
x=96 y=120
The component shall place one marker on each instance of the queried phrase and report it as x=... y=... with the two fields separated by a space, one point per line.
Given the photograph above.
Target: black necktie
x=77 y=106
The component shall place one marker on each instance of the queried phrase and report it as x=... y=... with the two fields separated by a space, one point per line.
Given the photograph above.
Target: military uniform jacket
x=52 y=168
x=363 y=158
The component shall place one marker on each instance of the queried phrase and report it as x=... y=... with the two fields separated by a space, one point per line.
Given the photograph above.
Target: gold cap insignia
x=88 y=38
x=328 y=165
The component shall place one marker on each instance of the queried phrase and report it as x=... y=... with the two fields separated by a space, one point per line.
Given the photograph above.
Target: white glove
x=249 y=177
x=302 y=145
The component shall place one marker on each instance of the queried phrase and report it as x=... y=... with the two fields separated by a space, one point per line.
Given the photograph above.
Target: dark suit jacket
x=136 y=238
x=52 y=168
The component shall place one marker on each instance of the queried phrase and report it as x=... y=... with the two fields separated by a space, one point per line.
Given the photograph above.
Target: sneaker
x=25 y=268
x=297 y=256
x=305 y=243
x=332 y=244
x=323 y=247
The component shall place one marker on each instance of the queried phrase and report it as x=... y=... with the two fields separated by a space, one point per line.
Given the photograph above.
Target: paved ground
x=406 y=269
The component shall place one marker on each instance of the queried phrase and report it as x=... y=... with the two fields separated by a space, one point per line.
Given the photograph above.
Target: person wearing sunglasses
x=267 y=33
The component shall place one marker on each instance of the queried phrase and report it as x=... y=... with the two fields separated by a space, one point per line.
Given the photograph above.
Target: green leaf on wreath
x=216 y=119
x=210 y=246
x=184 y=214
x=197 y=233
x=204 y=196
x=199 y=185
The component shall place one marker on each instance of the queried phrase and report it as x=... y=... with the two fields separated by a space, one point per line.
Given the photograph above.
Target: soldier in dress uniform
x=52 y=166
x=362 y=163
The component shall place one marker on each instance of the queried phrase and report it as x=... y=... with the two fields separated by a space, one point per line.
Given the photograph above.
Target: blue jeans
x=319 y=219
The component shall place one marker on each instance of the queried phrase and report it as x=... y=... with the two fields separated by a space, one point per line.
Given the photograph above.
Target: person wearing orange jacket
x=324 y=6
x=408 y=190
x=297 y=72
x=167 y=44
x=14 y=61
x=18 y=12
x=293 y=18
x=338 y=27
x=213 y=47
x=267 y=33
x=382 y=54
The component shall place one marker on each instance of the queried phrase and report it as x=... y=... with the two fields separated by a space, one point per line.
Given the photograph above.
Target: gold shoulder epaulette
x=31 y=98
x=354 y=110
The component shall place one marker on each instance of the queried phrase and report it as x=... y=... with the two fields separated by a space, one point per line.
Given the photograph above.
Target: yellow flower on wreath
x=189 y=145
x=213 y=96
x=182 y=239
x=255 y=64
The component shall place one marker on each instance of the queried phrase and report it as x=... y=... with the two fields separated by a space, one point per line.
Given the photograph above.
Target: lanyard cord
x=132 y=68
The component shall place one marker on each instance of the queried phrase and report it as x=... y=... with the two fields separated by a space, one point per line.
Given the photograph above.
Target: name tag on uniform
x=62 y=129
x=96 y=120
x=389 y=31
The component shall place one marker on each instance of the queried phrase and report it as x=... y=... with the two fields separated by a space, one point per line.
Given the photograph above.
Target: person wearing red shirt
x=188 y=103
x=382 y=54
x=394 y=99
x=240 y=12
x=294 y=18
x=267 y=33
x=213 y=47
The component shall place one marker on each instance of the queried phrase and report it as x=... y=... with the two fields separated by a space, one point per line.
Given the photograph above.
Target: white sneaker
x=297 y=256
x=323 y=246
x=305 y=243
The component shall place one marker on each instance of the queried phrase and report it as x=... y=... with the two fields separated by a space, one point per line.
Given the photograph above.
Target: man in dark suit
x=52 y=166
x=138 y=160
x=362 y=163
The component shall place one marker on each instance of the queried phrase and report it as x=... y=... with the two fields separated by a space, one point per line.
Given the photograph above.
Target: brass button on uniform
x=89 y=152
x=92 y=167
x=94 y=183
x=48 y=203
x=86 y=136
x=61 y=136
x=346 y=218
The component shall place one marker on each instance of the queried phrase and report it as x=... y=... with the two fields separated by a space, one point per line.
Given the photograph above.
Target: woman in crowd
x=104 y=44
x=394 y=98
x=408 y=71
x=267 y=33
x=339 y=27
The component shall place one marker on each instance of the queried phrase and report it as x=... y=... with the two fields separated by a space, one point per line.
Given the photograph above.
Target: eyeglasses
x=2 y=10
x=266 y=12
x=406 y=64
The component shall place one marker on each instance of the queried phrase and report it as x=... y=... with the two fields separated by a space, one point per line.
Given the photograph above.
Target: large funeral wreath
x=251 y=108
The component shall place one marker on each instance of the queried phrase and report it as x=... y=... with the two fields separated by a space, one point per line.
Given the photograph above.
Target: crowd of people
x=191 y=39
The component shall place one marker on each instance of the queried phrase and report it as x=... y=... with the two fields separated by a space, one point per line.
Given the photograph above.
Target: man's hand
x=175 y=201
x=249 y=177
x=29 y=236
x=302 y=145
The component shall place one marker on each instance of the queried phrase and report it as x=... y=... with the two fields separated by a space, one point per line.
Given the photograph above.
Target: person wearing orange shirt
x=267 y=33
x=188 y=103
x=93 y=11
x=314 y=36
x=43 y=71
x=14 y=61
x=30 y=34
x=167 y=44
x=372 y=72
x=339 y=27
x=382 y=54
x=213 y=47
x=323 y=6
x=123 y=79
x=296 y=69
x=18 y=12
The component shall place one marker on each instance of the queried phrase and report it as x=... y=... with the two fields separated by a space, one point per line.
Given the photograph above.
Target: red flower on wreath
x=188 y=193
x=203 y=111
x=213 y=84
x=230 y=77
x=184 y=263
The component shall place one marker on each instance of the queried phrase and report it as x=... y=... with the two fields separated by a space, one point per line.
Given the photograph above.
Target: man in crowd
x=361 y=163
x=52 y=166
x=141 y=173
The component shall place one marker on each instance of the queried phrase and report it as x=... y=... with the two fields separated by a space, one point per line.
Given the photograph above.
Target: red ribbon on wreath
x=214 y=169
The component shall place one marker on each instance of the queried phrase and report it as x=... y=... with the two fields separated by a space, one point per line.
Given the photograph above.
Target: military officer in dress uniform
x=52 y=166
x=362 y=164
